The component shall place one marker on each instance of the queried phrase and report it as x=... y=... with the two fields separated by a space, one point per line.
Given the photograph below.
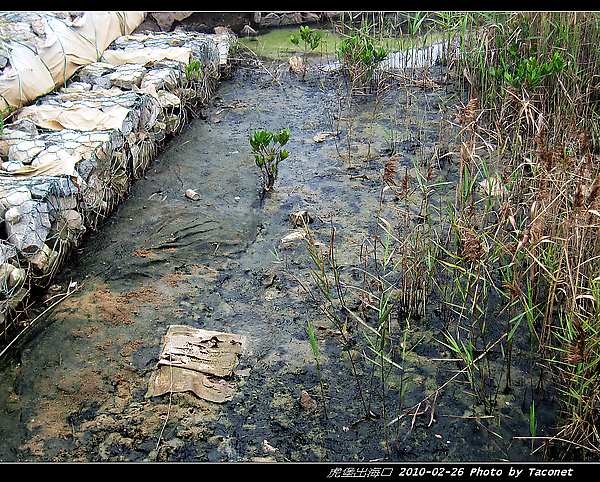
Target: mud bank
x=75 y=389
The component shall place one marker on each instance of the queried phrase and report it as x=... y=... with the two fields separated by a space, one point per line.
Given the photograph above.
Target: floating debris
x=197 y=361
x=193 y=195
x=321 y=136
x=300 y=218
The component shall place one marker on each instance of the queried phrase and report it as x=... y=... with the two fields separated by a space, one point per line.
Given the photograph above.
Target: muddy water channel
x=75 y=388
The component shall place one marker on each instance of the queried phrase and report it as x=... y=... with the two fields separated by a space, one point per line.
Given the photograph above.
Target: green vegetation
x=514 y=258
x=193 y=70
x=3 y=114
x=360 y=57
x=313 y=344
x=311 y=40
x=268 y=153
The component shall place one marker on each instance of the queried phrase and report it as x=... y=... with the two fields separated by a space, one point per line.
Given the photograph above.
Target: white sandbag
x=78 y=117
x=67 y=47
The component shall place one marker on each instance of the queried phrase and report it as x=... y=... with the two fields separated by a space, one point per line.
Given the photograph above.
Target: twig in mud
x=412 y=424
x=177 y=172
x=551 y=439
x=170 y=403
x=436 y=392
x=478 y=421
x=31 y=323
x=262 y=64
x=425 y=83
x=558 y=439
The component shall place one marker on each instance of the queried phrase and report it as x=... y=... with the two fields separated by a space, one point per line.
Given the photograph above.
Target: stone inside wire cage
x=68 y=159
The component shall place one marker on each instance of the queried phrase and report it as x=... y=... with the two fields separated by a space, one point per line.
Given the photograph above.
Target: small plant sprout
x=268 y=153
x=532 y=423
x=311 y=39
x=192 y=70
x=315 y=350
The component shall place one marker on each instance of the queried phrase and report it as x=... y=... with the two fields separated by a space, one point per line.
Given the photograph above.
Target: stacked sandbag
x=68 y=159
x=41 y=50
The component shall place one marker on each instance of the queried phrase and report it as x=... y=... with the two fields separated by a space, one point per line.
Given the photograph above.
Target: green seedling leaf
x=313 y=342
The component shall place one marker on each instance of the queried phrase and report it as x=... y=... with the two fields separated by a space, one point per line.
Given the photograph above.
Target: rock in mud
x=300 y=218
x=296 y=65
x=306 y=401
x=248 y=31
x=294 y=236
x=321 y=136
x=267 y=279
x=193 y=195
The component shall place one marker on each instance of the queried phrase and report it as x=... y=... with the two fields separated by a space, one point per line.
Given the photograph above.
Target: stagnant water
x=74 y=388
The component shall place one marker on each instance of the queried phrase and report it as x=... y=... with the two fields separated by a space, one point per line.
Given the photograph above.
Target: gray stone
x=101 y=83
x=166 y=19
x=14 y=197
x=65 y=187
x=7 y=251
x=41 y=189
x=78 y=87
x=290 y=18
x=25 y=151
x=163 y=78
x=27 y=225
x=223 y=30
x=16 y=278
x=311 y=17
x=11 y=166
x=91 y=72
x=52 y=154
x=168 y=101
x=3 y=58
x=269 y=20
x=11 y=277
x=24 y=125
x=126 y=76
x=74 y=220
x=44 y=260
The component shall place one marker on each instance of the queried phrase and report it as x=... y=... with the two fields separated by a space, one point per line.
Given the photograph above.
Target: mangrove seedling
x=311 y=39
x=360 y=57
x=268 y=153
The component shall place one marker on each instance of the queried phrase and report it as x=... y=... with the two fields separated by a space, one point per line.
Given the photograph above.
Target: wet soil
x=74 y=388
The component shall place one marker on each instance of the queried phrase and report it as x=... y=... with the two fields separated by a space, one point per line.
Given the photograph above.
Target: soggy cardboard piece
x=198 y=361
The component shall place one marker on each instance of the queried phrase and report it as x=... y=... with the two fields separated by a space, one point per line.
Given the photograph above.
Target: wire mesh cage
x=69 y=158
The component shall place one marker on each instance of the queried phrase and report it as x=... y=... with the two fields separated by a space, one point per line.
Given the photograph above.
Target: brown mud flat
x=74 y=390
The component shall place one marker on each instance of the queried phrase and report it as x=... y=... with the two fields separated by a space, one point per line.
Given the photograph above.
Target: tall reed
x=514 y=258
x=536 y=79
